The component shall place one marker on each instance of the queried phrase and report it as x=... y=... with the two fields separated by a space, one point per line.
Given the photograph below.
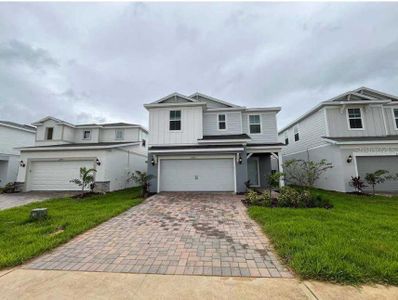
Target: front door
x=253 y=170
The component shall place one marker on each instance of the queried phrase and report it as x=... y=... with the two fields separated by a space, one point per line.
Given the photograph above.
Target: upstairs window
x=86 y=134
x=49 y=133
x=395 y=111
x=254 y=124
x=286 y=139
x=355 y=118
x=143 y=143
x=296 y=134
x=175 y=120
x=119 y=134
x=222 y=122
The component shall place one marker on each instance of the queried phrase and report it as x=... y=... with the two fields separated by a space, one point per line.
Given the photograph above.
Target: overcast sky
x=102 y=62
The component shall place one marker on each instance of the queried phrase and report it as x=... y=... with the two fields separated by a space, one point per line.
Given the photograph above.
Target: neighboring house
x=12 y=135
x=356 y=131
x=115 y=150
x=200 y=143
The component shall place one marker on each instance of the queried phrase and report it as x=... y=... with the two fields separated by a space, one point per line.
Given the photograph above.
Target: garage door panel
x=55 y=175
x=196 y=175
x=370 y=164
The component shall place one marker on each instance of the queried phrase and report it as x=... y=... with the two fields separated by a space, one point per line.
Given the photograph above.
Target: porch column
x=280 y=164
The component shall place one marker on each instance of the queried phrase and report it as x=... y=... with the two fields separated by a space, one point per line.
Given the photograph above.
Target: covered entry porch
x=263 y=160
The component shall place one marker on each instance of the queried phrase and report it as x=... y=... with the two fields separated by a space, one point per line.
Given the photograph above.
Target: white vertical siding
x=210 y=123
x=11 y=138
x=191 y=126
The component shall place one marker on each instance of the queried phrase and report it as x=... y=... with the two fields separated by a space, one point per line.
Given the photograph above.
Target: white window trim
x=348 y=119
x=168 y=124
x=394 y=118
x=117 y=138
x=218 y=122
x=258 y=171
x=294 y=133
x=248 y=124
x=89 y=137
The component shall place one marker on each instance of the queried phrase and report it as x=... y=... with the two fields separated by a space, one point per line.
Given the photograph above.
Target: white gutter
x=196 y=150
x=360 y=142
x=223 y=141
x=19 y=128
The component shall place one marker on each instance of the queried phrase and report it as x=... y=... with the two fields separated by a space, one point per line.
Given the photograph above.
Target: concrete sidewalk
x=40 y=284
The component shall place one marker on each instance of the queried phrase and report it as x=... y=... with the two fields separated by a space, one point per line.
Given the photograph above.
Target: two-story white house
x=200 y=143
x=114 y=150
x=12 y=136
x=356 y=131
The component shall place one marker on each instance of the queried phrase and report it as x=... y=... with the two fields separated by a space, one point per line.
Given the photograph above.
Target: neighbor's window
x=222 y=123
x=286 y=139
x=119 y=134
x=49 y=133
x=254 y=124
x=175 y=120
x=355 y=118
x=86 y=134
x=296 y=134
x=396 y=117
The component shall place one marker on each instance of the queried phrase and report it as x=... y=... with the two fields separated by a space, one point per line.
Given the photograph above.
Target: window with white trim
x=395 y=111
x=175 y=120
x=222 y=122
x=286 y=138
x=119 y=134
x=254 y=124
x=296 y=134
x=49 y=133
x=86 y=134
x=355 y=118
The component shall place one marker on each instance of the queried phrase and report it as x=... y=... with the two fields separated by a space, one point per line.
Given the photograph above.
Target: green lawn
x=355 y=242
x=21 y=239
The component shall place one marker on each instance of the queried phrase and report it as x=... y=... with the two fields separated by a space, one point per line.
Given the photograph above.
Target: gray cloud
x=91 y=62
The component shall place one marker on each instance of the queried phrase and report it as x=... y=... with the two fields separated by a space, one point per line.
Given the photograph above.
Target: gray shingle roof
x=23 y=126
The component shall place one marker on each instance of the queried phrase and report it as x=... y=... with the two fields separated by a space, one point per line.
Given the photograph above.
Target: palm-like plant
x=142 y=179
x=376 y=178
x=86 y=178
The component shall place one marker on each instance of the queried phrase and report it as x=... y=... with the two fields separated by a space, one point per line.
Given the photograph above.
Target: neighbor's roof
x=19 y=126
x=362 y=95
x=102 y=125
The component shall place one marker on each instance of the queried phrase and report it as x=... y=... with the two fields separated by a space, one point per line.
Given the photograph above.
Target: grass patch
x=356 y=242
x=22 y=239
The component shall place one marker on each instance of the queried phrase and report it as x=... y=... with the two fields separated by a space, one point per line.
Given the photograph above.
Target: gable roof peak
x=198 y=94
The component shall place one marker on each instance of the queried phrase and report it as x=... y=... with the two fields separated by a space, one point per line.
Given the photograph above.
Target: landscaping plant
x=86 y=178
x=305 y=172
x=273 y=181
x=357 y=183
x=142 y=179
x=375 y=178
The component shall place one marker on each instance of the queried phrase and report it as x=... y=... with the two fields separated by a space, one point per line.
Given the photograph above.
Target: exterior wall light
x=97 y=161
x=22 y=164
x=239 y=159
x=349 y=159
x=153 y=162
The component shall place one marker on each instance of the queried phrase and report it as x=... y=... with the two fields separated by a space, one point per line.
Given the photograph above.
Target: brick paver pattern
x=173 y=233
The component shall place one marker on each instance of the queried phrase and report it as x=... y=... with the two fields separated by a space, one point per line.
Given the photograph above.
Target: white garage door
x=370 y=164
x=55 y=175
x=197 y=175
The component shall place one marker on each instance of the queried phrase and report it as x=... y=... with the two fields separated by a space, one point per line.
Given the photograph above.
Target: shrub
x=251 y=197
x=288 y=197
x=10 y=187
x=266 y=199
x=305 y=199
x=305 y=172
x=357 y=184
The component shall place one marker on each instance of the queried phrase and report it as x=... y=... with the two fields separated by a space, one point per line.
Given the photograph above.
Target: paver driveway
x=173 y=233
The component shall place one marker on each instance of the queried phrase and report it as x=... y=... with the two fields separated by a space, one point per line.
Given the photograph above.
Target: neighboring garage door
x=370 y=164
x=197 y=175
x=55 y=175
